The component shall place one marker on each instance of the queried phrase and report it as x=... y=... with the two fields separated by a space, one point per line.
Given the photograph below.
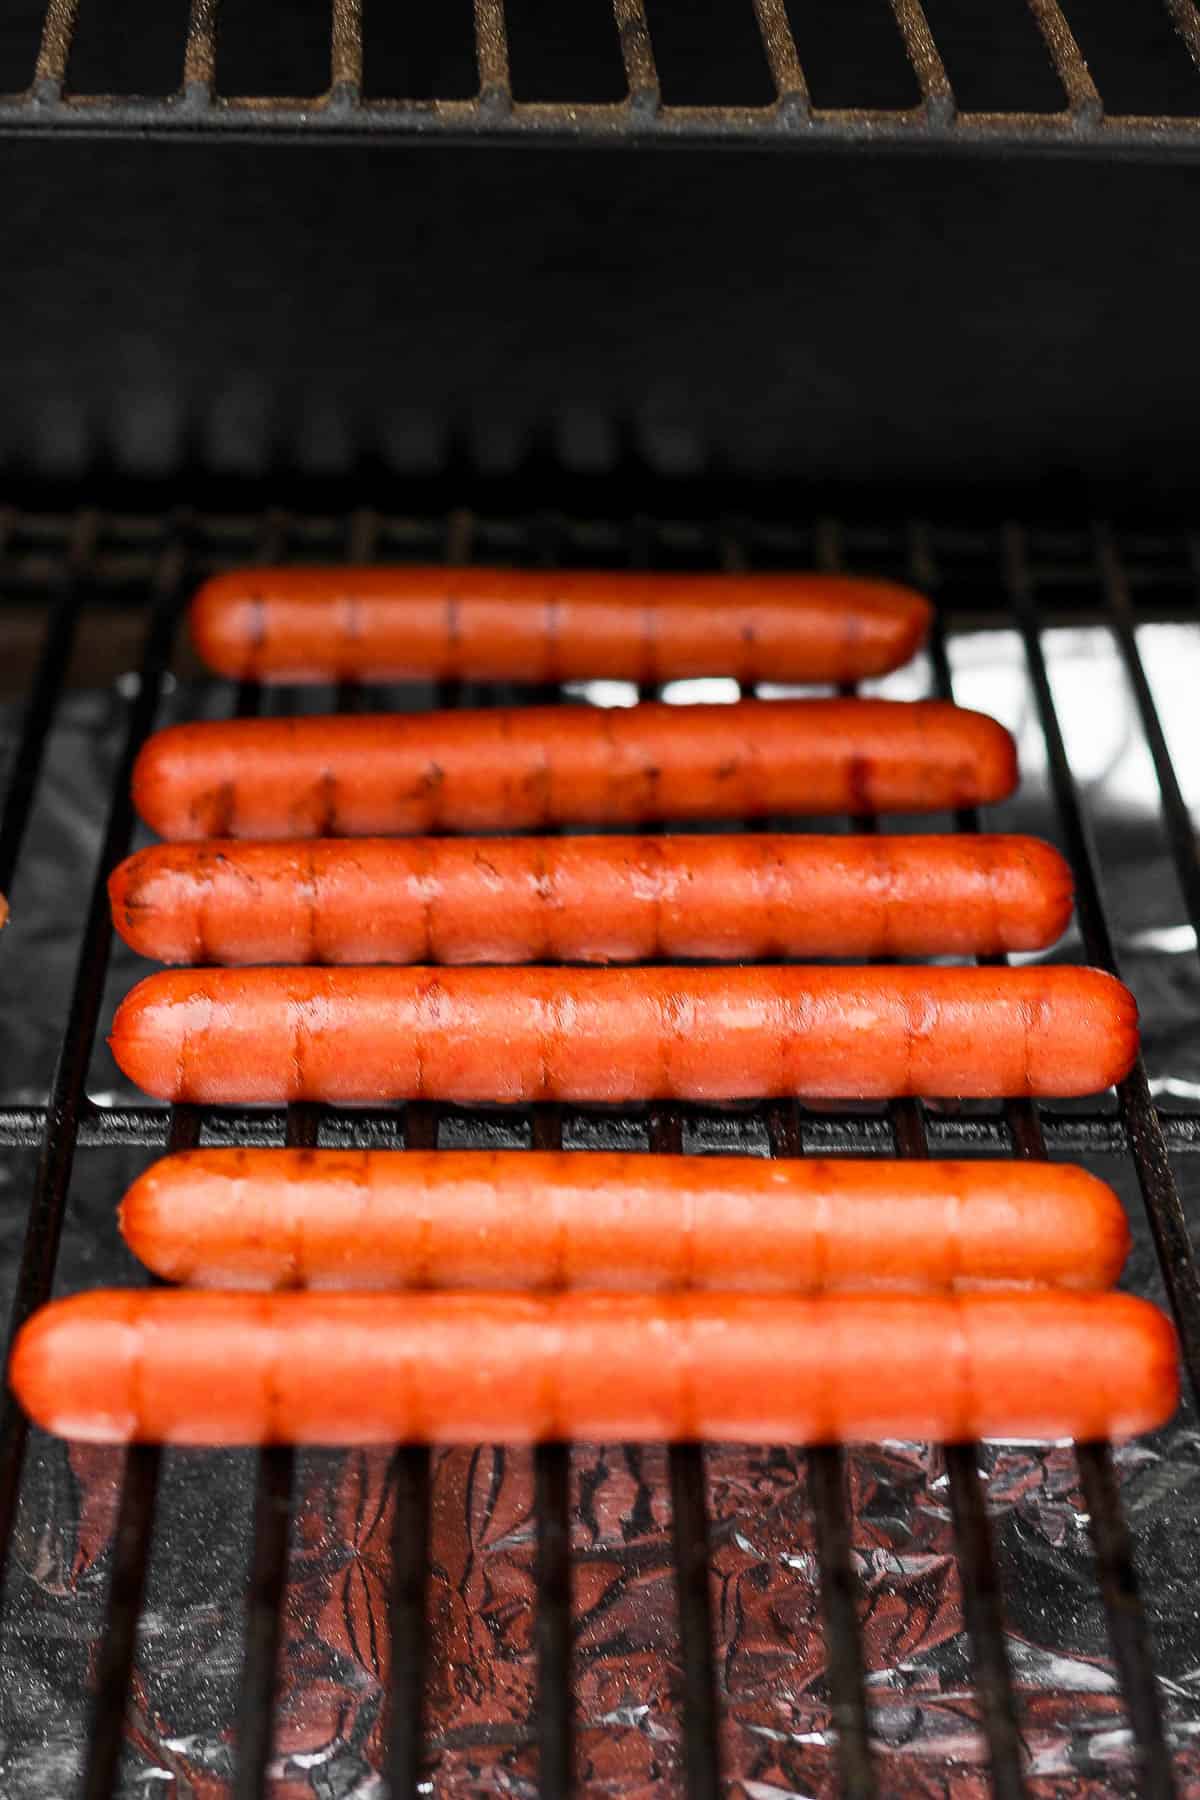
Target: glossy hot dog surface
x=385 y=1219
x=542 y=625
x=589 y=899
x=609 y=1035
x=528 y=767
x=194 y=1368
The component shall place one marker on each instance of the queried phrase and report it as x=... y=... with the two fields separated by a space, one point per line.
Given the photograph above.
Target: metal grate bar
x=789 y=120
x=491 y=56
x=409 y=1632
x=1126 y=1620
x=839 y=1596
x=410 y=1567
x=362 y=537
x=552 y=1625
x=689 y=1519
x=553 y=1631
x=276 y=1468
x=845 y=1665
x=200 y=52
x=404 y=1745
x=131 y=1556
x=140 y=1481
x=54 y=51
x=147 y=1127
x=932 y=129
x=346 y=50
x=1186 y=20
x=637 y=54
x=44 y=690
x=268 y=1577
x=268 y=1574
x=1146 y=1142
x=35 y=541
x=843 y=1637
x=984 y=1615
x=35 y=1271
x=686 y=1472
x=1124 y=1616
x=783 y=59
x=1177 y=818
x=1083 y=100
x=936 y=93
x=689 y=1524
x=982 y=1608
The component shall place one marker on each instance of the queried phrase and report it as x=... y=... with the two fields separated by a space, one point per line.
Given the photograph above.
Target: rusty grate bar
x=346 y=51
x=783 y=59
x=54 y=51
x=789 y=121
x=936 y=93
x=1083 y=100
x=491 y=56
x=637 y=54
x=200 y=51
x=1186 y=20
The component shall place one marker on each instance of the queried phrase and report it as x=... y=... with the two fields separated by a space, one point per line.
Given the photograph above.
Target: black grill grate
x=203 y=102
x=77 y=561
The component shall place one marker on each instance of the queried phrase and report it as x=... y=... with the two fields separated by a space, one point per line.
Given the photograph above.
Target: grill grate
x=201 y=103
x=80 y=559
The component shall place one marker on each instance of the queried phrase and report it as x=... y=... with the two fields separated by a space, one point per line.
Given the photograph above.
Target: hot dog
x=601 y=899
x=538 y=625
x=196 y=1368
x=503 y=769
x=613 y=1035
x=523 y=1219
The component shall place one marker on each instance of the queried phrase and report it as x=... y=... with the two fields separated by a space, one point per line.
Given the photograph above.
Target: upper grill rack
x=1081 y=122
x=73 y=561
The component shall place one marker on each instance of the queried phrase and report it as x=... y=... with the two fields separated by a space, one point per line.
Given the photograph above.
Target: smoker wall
x=738 y=318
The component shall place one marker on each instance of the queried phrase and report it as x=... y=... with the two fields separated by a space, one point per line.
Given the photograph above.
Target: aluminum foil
x=777 y=1739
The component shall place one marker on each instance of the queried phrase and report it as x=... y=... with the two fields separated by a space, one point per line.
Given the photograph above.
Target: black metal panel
x=364 y=317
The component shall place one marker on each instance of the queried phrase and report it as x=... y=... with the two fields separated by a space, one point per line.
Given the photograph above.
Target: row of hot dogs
x=589 y=1295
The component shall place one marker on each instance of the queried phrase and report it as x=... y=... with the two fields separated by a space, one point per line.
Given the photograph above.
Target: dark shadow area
x=121 y=47
x=425 y=53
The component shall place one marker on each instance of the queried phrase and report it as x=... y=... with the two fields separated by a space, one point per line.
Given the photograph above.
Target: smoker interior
x=743 y=285
x=875 y=249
